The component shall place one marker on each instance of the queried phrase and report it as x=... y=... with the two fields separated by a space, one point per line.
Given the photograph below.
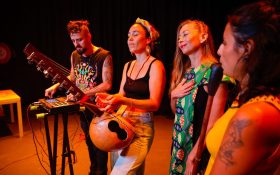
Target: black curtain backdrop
x=43 y=23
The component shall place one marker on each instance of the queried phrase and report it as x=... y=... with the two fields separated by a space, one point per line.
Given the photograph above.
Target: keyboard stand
x=66 y=152
x=56 y=107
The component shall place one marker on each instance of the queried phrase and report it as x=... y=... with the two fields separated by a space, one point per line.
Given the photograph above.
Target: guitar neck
x=50 y=69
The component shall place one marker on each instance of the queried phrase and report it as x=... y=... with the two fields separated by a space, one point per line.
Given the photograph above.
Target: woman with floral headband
x=188 y=93
x=141 y=90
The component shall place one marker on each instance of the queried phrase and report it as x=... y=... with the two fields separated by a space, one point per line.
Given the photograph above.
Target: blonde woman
x=188 y=93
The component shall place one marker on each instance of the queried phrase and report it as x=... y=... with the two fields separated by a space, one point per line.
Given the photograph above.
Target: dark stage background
x=43 y=23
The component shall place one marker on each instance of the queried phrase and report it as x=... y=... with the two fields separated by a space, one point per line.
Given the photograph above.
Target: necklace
x=130 y=82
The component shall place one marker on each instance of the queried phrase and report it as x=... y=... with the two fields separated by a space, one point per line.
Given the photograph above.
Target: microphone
x=213 y=84
x=215 y=78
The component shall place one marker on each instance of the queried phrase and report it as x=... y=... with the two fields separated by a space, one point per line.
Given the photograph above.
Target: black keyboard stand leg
x=52 y=153
x=66 y=152
x=55 y=132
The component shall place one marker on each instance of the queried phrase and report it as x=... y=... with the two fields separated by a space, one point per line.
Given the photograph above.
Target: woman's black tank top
x=139 y=88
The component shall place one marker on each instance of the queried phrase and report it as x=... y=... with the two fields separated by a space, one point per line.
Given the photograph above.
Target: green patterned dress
x=183 y=122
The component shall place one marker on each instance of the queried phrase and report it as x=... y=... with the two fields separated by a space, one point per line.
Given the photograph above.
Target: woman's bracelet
x=197 y=159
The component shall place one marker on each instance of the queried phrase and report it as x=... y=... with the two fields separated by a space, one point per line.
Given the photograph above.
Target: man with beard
x=92 y=71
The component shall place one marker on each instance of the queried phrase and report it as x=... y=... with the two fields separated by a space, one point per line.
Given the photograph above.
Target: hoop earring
x=148 y=50
x=245 y=58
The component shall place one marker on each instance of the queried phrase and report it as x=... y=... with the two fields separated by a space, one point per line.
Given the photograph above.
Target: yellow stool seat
x=10 y=97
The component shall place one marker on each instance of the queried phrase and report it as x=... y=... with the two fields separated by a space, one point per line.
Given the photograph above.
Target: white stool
x=10 y=97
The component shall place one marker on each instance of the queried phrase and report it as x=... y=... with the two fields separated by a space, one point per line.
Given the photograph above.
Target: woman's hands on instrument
x=107 y=102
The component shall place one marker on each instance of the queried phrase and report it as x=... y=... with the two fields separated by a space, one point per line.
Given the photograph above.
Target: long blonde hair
x=181 y=62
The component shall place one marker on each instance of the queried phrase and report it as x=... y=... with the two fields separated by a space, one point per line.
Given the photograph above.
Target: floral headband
x=154 y=35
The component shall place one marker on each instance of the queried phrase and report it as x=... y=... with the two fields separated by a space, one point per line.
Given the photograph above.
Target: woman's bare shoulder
x=157 y=64
x=263 y=117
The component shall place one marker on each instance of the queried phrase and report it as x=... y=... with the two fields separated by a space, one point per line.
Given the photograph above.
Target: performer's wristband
x=197 y=159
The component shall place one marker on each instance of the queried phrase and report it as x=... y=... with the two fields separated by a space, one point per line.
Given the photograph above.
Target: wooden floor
x=29 y=155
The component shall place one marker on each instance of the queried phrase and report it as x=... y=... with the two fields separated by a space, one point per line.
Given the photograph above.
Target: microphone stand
x=214 y=81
